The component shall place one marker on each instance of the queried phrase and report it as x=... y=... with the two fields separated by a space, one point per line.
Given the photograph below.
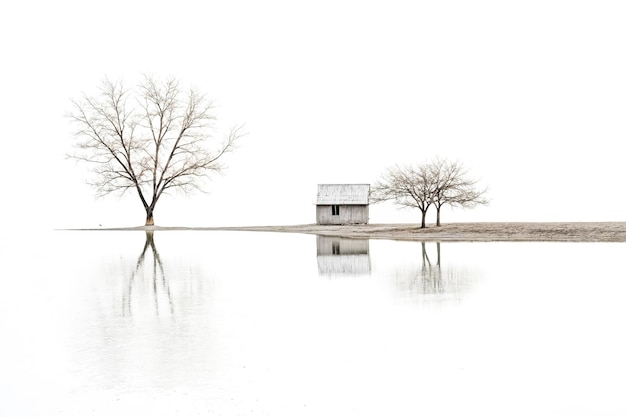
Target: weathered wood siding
x=351 y=200
x=348 y=214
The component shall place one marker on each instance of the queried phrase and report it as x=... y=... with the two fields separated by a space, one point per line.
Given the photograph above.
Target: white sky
x=529 y=95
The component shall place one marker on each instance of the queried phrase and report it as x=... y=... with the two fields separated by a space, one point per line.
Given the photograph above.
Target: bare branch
x=152 y=139
x=453 y=186
x=407 y=187
x=436 y=183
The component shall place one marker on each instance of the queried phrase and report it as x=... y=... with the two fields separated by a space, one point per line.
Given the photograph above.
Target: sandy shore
x=483 y=232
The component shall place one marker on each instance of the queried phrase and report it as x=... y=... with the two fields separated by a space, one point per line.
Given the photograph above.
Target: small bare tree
x=452 y=186
x=434 y=183
x=153 y=139
x=406 y=186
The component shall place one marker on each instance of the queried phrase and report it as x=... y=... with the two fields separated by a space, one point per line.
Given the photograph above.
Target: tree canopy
x=152 y=139
x=407 y=186
x=435 y=183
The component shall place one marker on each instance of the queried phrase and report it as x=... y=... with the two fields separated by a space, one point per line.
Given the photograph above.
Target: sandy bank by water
x=484 y=232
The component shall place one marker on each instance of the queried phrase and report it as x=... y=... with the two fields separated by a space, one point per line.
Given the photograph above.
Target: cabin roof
x=343 y=194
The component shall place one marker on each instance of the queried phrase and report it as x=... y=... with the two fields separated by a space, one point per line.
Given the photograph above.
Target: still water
x=262 y=324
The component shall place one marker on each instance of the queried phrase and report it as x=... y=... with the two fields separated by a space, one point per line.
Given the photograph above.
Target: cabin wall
x=348 y=214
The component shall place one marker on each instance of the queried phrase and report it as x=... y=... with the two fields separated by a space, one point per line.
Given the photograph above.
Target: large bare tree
x=406 y=186
x=152 y=139
x=453 y=186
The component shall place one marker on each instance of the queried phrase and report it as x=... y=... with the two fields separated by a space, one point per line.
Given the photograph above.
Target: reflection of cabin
x=341 y=256
x=342 y=203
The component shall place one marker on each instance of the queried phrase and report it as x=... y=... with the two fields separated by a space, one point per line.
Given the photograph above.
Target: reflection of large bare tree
x=145 y=310
x=156 y=273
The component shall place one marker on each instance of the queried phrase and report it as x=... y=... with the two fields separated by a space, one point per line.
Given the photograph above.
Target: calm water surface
x=234 y=323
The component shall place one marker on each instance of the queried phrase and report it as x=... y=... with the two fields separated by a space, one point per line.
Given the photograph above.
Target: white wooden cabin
x=342 y=203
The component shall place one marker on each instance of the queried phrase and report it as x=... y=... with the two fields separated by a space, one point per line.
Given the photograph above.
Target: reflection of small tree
x=431 y=275
x=158 y=277
x=428 y=279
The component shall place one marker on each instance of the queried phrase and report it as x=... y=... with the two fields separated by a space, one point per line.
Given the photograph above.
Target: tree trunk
x=149 y=217
x=423 y=219
x=438 y=216
x=425 y=259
